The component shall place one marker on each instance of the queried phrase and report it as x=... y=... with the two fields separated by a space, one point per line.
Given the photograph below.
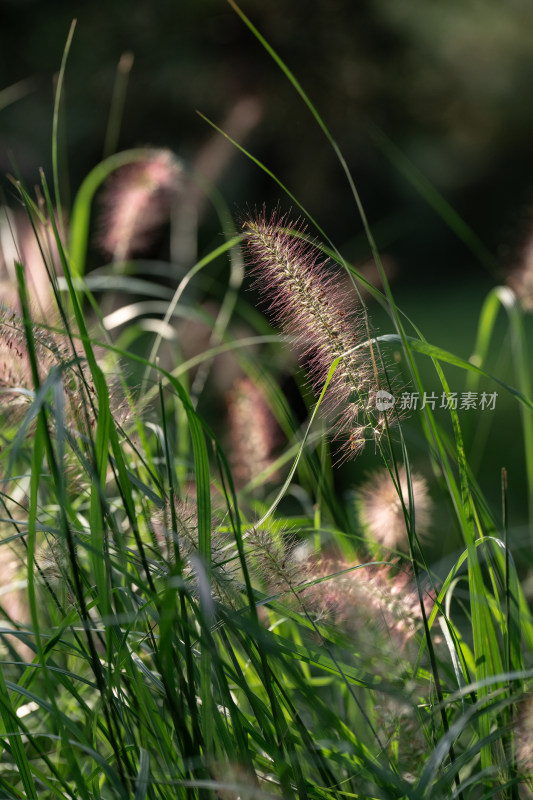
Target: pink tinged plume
x=52 y=351
x=368 y=599
x=33 y=244
x=254 y=433
x=521 y=277
x=305 y=299
x=136 y=201
x=381 y=511
x=524 y=740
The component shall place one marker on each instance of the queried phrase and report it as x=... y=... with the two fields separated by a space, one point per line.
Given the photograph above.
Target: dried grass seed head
x=273 y=558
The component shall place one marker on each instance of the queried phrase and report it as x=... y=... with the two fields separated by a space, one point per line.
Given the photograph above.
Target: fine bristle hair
x=305 y=298
x=53 y=351
x=176 y=531
x=273 y=559
x=376 y=605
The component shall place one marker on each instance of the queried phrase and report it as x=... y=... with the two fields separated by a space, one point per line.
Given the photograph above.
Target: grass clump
x=199 y=610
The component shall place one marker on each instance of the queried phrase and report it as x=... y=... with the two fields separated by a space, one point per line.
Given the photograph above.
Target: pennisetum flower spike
x=253 y=432
x=136 y=201
x=52 y=351
x=305 y=298
x=381 y=511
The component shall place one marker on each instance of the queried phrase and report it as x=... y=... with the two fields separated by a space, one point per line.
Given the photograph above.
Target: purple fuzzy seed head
x=136 y=201
x=305 y=298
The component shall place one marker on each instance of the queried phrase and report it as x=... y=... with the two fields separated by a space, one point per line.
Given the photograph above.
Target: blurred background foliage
x=449 y=83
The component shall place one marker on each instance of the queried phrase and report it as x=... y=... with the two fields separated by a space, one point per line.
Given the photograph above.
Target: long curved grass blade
x=143 y=775
x=55 y=125
x=439 y=354
x=435 y=199
x=10 y=724
x=81 y=209
x=181 y=288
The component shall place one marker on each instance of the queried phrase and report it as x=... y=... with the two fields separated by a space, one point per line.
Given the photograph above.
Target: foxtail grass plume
x=305 y=298
x=520 y=277
x=52 y=351
x=524 y=742
x=272 y=556
x=253 y=432
x=180 y=529
x=366 y=601
x=31 y=242
x=380 y=508
x=136 y=201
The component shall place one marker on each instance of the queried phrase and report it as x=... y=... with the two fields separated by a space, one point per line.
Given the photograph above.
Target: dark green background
x=449 y=83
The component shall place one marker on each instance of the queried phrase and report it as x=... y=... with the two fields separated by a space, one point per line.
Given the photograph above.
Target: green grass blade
x=57 y=102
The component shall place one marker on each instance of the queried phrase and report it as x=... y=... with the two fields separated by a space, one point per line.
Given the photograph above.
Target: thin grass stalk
x=480 y=622
x=183 y=626
x=10 y=720
x=114 y=728
x=204 y=522
x=178 y=293
x=523 y=366
x=436 y=200
x=171 y=672
x=362 y=214
x=410 y=522
x=338 y=153
x=229 y=301
x=505 y=297
x=42 y=445
x=118 y=99
x=238 y=725
x=326 y=774
x=55 y=123
x=262 y=667
x=232 y=506
x=341 y=673
x=511 y=754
